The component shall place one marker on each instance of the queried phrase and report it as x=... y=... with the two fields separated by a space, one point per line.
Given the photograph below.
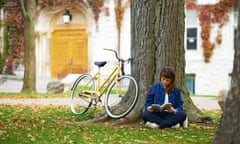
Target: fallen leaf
x=85 y=138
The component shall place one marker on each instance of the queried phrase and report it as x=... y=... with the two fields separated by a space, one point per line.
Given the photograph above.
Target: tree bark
x=29 y=81
x=229 y=129
x=158 y=41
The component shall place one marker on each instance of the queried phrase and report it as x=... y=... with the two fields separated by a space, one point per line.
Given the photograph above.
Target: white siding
x=212 y=77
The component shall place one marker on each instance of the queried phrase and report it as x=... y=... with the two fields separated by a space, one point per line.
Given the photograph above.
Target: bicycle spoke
x=81 y=98
x=121 y=97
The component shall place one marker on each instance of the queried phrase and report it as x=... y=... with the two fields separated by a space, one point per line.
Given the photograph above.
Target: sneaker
x=176 y=126
x=185 y=123
x=152 y=125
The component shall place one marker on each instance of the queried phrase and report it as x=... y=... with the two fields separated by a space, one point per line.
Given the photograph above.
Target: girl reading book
x=163 y=107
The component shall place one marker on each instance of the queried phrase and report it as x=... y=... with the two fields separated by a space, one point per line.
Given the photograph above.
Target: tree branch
x=23 y=8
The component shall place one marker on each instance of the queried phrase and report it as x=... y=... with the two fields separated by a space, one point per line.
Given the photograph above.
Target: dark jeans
x=164 y=119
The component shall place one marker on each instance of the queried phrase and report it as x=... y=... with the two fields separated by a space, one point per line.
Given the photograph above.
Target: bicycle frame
x=88 y=90
x=101 y=88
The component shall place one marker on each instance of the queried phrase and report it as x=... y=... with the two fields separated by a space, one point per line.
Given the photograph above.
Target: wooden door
x=68 y=52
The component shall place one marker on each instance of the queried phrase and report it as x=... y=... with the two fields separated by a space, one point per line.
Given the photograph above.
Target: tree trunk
x=229 y=129
x=29 y=82
x=158 y=41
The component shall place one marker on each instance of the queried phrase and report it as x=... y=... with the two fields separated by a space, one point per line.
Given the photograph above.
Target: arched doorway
x=69 y=50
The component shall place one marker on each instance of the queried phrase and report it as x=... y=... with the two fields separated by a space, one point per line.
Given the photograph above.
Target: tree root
x=105 y=119
x=206 y=120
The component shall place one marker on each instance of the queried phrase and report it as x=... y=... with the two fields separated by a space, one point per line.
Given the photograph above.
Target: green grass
x=35 y=95
x=206 y=96
x=57 y=125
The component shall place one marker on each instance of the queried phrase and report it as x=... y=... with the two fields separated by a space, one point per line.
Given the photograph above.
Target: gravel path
x=201 y=103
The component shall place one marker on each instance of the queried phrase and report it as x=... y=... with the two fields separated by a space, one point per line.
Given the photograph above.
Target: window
x=192 y=38
x=190 y=81
x=191 y=29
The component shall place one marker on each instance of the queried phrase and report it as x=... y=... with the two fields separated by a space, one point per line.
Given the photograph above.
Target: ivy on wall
x=119 y=11
x=14 y=22
x=96 y=6
x=208 y=15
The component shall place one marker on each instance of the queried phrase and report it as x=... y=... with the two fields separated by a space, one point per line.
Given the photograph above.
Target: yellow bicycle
x=121 y=91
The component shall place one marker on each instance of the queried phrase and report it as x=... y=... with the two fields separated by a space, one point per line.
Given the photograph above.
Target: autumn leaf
x=152 y=137
x=85 y=138
x=1 y=125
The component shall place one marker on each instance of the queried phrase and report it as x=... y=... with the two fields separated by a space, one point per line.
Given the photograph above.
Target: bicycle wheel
x=80 y=99
x=121 y=97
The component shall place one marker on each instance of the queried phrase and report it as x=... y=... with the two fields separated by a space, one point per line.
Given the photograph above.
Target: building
x=213 y=77
x=70 y=48
x=65 y=49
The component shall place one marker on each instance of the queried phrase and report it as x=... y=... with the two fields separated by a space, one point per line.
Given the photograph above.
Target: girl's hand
x=150 y=109
x=171 y=110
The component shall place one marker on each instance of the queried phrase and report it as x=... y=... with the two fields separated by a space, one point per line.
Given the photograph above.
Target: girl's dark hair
x=168 y=72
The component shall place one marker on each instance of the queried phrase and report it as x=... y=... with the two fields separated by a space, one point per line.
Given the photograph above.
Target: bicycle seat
x=100 y=64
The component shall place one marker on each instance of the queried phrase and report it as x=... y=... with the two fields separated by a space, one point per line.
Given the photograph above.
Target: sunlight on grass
x=205 y=96
x=56 y=124
x=35 y=95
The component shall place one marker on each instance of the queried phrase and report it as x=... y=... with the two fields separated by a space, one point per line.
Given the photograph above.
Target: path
x=14 y=84
x=201 y=102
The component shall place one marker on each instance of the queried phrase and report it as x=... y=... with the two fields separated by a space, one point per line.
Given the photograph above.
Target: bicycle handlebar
x=117 y=56
x=120 y=60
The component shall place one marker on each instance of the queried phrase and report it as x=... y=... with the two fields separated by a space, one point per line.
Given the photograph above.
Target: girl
x=162 y=93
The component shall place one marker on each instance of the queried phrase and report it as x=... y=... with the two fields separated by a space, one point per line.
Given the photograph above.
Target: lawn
x=57 y=125
x=35 y=95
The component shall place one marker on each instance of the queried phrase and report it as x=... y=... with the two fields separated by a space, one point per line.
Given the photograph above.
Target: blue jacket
x=156 y=95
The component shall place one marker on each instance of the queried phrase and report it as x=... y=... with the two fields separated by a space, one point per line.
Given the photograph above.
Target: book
x=161 y=107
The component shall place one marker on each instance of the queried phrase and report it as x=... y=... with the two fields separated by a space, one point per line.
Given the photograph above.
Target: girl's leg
x=164 y=119
x=173 y=119
x=151 y=117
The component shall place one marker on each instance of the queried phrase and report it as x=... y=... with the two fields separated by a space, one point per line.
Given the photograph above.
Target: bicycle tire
x=121 y=97
x=80 y=102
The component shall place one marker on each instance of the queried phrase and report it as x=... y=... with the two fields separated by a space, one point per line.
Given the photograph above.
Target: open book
x=161 y=107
